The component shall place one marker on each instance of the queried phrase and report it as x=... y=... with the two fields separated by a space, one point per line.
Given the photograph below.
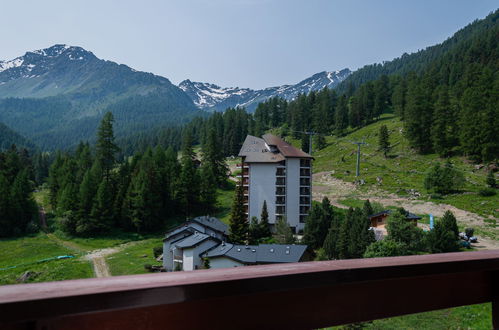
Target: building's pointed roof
x=270 y=149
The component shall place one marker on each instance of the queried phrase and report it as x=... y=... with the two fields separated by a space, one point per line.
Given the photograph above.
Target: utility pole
x=310 y=134
x=357 y=172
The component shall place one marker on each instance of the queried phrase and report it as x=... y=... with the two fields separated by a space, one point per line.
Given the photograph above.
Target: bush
x=157 y=251
x=443 y=179
x=385 y=248
x=491 y=179
x=487 y=192
x=469 y=232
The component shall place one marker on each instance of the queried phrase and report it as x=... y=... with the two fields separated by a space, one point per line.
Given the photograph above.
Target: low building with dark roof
x=281 y=175
x=185 y=247
x=379 y=219
x=231 y=255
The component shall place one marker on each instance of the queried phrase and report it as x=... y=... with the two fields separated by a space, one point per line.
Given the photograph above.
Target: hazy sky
x=246 y=43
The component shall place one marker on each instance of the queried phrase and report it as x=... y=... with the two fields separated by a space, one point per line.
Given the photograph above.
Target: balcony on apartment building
x=299 y=296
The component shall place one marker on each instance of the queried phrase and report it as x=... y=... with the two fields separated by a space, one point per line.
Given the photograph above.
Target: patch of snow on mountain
x=11 y=64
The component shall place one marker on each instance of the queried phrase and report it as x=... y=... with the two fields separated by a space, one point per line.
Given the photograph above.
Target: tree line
x=92 y=192
x=333 y=234
x=18 y=209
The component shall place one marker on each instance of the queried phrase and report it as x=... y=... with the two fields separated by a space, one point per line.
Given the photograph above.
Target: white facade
x=293 y=193
x=262 y=188
x=285 y=186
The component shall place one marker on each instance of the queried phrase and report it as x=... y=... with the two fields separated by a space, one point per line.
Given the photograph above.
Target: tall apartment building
x=280 y=174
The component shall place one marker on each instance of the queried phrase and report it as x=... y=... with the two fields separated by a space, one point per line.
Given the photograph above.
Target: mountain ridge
x=74 y=88
x=211 y=97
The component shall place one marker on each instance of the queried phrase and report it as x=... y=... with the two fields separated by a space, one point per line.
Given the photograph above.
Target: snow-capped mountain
x=212 y=97
x=57 y=95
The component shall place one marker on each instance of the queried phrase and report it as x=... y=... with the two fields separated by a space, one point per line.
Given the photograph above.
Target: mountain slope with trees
x=57 y=96
x=8 y=137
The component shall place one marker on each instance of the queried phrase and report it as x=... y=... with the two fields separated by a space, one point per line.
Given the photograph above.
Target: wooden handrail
x=299 y=295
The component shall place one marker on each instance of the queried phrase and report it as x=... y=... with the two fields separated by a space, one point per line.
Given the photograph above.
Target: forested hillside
x=419 y=61
x=57 y=96
x=8 y=137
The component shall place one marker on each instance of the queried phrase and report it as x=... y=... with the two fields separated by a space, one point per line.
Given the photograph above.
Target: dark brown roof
x=270 y=149
x=286 y=149
x=257 y=151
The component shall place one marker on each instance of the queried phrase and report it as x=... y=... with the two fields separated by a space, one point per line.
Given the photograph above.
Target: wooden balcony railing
x=301 y=295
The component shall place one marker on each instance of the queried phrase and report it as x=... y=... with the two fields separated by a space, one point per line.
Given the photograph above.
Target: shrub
x=491 y=179
x=157 y=251
x=443 y=179
x=486 y=192
x=469 y=232
x=385 y=248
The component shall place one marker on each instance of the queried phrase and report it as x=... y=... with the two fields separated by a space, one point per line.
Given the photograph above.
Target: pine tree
x=341 y=115
x=450 y=223
x=213 y=155
x=101 y=212
x=443 y=127
x=443 y=237
x=263 y=225
x=105 y=147
x=283 y=232
x=312 y=227
x=253 y=231
x=383 y=140
x=189 y=180
x=238 y=219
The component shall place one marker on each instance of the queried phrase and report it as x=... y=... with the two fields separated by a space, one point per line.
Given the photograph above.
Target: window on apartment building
x=280 y=209
x=303 y=218
x=304 y=191
x=305 y=181
x=304 y=162
x=280 y=200
x=282 y=163
x=304 y=209
x=304 y=200
x=280 y=171
x=304 y=172
x=280 y=191
x=280 y=181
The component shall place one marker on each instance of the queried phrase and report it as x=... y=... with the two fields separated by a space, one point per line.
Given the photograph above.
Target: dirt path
x=98 y=258
x=336 y=190
x=43 y=218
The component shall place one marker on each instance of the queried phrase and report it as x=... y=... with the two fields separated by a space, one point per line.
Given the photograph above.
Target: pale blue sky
x=246 y=43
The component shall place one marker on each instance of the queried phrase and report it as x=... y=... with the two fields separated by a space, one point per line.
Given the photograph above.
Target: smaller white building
x=183 y=245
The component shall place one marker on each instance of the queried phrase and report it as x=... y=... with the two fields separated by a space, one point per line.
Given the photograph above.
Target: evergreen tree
x=283 y=232
x=253 y=231
x=450 y=223
x=444 y=236
x=106 y=149
x=238 y=219
x=443 y=180
x=383 y=140
x=341 y=115
x=443 y=128
x=402 y=231
x=189 y=180
x=491 y=179
x=263 y=225
x=214 y=157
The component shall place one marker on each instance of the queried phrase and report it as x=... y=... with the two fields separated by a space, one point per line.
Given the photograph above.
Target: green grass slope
x=402 y=170
x=26 y=252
